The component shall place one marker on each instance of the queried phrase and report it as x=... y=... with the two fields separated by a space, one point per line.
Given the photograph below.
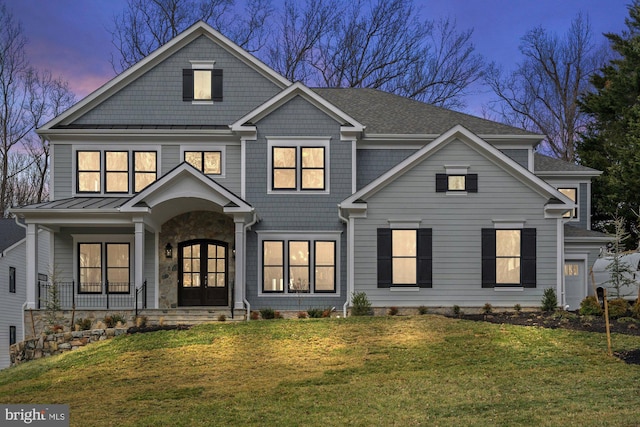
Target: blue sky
x=72 y=38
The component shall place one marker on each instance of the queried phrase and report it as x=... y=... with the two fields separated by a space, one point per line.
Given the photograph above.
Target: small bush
x=456 y=310
x=422 y=310
x=549 y=300
x=254 y=315
x=222 y=318
x=635 y=310
x=590 y=306
x=327 y=312
x=112 y=320
x=487 y=308
x=361 y=306
x=141 y=321
x=83 y=324
x=277 y=315
x=302 y=315
x=618 y=307
x=517 y=308
x=624 y=320
x=314 y=313
x=267 y=313
x=392 y=311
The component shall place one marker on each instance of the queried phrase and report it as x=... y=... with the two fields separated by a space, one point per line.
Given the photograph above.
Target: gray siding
x=11 y=303
x=62 y=171
x=584 y=216
x=456 y=221
x=519 y=155
x=298 y=212
x=373 y=163
x=170 y=158
x=156 y=97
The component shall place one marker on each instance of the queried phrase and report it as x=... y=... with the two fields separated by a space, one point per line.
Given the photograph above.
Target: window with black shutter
x=456 y=183
x=509 y=257
x=404 y=257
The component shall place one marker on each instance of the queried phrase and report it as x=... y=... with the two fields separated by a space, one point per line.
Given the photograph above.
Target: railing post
x=144 y=294
x=107 y=292
x=39 y=293
x=73 y=294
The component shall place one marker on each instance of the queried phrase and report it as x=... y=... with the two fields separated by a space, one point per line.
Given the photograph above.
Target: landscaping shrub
x=267 y=313
x=635 y=310
x=618 y=307
x=422 y=310
x=222 y=318
x=487 y=308
x=302 y=315
x=517 y=308
x=83 y=324
x=456 y=310
x=392 y=311
x=254 y=315
x=549 y=300
x=590 y=306
x=327 y=312
x=112 y=320
x=361 y=306
x=314 y=313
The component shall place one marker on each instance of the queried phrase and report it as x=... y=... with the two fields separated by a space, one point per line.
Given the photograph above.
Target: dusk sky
x=72 y=39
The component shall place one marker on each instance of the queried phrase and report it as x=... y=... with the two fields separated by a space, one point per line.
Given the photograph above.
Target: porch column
x=138 y=259
x=238 y=295
x=32 y=265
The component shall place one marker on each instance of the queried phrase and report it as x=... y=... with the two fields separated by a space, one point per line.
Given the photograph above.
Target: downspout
x=349 y=249
x=244 y=246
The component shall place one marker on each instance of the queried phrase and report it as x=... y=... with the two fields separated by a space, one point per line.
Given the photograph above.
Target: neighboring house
x=13 y=283
x=203 y=178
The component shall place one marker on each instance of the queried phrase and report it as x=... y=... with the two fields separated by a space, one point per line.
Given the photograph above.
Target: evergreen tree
x=611 y=142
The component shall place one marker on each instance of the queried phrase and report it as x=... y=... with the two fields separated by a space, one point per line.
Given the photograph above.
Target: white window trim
x=577 y=202
x=122 y=146
x=103 y=239
x=299 y=142
x=221 y=148
x=310 y=236
x=456 y=170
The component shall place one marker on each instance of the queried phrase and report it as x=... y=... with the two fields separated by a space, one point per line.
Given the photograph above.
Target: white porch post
x=238 y=295
x=138 y=258
x=32 y=265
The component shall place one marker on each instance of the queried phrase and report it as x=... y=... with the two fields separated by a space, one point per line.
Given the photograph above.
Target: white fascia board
x=58 y=134
x=135 y=71
x=297 y=89
x=475 y=142
x=568 y=174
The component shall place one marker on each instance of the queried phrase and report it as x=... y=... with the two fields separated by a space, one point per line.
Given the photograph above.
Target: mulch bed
x=566 y=320
x=154 y=328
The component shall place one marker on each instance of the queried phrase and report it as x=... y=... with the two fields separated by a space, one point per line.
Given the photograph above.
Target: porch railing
x=66 y=296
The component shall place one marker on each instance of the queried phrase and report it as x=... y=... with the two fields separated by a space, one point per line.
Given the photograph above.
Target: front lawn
x=402 y=371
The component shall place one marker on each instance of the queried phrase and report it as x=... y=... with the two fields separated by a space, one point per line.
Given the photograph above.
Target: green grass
x=392 y=371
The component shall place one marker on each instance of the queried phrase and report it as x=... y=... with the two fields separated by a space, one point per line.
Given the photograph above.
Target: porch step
x=190 y=316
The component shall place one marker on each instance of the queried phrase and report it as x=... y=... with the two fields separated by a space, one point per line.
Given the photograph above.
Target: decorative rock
x=65 y=346
x=77 y=334
x=111 y=332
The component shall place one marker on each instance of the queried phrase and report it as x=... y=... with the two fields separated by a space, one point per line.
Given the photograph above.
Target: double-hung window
x=202 y=83
x=116 y=171
x=112 y=268
x=509 y=257
x=404 y=257
x=298 y=166
x=88 y=167
x=145 y=169
x=293 y=266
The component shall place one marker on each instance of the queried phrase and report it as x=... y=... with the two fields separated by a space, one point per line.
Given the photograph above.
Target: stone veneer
x=191 y=226
x=49 y=345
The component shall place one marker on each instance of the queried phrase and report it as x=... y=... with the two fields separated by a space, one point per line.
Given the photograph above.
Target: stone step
x=190 y=316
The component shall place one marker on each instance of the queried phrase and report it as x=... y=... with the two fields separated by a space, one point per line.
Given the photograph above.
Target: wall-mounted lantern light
x=168 y=251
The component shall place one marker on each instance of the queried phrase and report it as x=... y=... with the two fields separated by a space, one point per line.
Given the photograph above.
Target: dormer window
x=572 y=194
x=202 y=83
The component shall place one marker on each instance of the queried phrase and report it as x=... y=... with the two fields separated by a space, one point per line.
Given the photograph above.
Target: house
x=201 y=177
x=13 y=283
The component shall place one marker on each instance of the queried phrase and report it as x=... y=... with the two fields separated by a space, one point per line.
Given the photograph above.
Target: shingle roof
x=10 y=233
x=386 y=113
x=571 y=231
x=544 y=163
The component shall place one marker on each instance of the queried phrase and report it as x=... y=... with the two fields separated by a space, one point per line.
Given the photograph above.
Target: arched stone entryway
x=191 y=226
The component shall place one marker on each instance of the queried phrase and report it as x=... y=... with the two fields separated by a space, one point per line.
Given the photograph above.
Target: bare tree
x=145 y=25
x=541 y=95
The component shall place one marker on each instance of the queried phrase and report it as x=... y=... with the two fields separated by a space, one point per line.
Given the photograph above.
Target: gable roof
x=386 y=113
x=558 y=202
x=196 y=30
x=247 y=122
x=10 y=233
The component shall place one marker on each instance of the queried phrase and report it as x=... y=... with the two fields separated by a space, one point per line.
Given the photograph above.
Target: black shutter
x=384 y=257
x=488 y=257
x=441 y=182
x=216 y=85
x=528 y=258
x=425 y=258
x=187 y=85
x=471 y=182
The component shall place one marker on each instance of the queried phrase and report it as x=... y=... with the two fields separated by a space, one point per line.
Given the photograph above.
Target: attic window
x=202 y=83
